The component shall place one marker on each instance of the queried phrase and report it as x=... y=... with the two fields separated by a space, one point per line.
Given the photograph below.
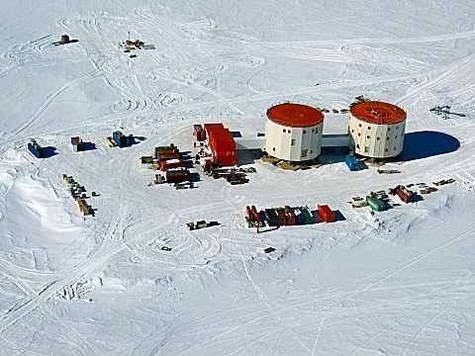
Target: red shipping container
x=222 y=145
x=405 y=195
x=326 y=214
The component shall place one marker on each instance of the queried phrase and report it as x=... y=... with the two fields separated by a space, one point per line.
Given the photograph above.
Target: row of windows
x=377 y=138
x=369 y=127
x=314 y=130
x=304 y=152
x=366 y=149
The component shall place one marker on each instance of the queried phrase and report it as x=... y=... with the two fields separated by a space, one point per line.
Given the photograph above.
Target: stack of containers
x=222 y=145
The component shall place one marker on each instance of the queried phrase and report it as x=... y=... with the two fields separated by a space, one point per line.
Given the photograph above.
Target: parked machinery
x=121 y=140
x=35 y=149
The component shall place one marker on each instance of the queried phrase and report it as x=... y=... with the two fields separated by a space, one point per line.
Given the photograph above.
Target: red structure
x=406 y=195
x=199 y=132
x=379 y=113
x=295 y=115
x=326 y=214
x=170 y=164
x=222 y=145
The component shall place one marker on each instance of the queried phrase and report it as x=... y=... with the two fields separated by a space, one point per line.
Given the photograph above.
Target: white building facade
x=294 y=132
x=377 y=130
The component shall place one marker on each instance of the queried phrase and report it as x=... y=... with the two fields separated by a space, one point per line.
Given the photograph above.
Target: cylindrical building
x=376 y=129
x=294 y=132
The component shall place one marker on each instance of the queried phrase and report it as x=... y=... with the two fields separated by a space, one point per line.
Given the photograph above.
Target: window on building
x=310 y=151
x=368 y=137
x=359 y=133
x=353 y=130
x=273 y=149
x=386 y=150
x=387 y=138
x=369 y=127
x=313 y=130
x=284 y=131
x=366 y=149
x=358 y=146
x=389 y=129
x=361 y=125
x=304 y=153
x=304 y=132
x=316 y=130
x=377 y=138
x=292 y=142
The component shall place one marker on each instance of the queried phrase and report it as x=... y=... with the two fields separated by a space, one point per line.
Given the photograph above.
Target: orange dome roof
x=379 y=113
x=295 y=115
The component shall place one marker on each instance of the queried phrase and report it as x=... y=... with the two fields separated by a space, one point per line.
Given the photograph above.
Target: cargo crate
x=376 y=204
x=326 y=214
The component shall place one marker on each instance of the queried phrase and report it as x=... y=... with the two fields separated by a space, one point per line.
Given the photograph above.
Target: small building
x=294 y=132
x=376 y=129
x=221 y=144
x=76 y=143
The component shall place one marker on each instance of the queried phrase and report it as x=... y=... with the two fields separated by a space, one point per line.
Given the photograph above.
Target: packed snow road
x=133 y=280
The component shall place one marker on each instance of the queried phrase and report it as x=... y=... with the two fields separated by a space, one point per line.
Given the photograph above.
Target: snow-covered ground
x=400 y=282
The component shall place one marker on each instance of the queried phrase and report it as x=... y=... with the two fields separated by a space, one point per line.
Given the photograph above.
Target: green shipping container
x=376 y=204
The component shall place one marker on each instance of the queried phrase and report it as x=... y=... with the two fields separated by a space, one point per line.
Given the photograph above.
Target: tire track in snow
x=50 y=99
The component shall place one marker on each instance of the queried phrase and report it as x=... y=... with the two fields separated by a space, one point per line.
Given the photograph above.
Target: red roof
x=295 y=115
x=379 y=113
